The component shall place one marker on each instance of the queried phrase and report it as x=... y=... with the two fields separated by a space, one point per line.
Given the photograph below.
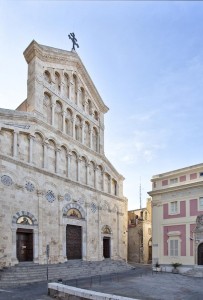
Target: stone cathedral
x=59 y=194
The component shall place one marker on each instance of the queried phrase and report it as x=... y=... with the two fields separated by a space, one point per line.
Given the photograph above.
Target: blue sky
x=146 y=60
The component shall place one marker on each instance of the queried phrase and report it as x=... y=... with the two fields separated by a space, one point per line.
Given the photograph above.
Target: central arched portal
x=73 y=242
x=24 y=244
x=200 y=254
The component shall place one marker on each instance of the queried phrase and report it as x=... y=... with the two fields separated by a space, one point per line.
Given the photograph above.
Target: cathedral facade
x=60 y=196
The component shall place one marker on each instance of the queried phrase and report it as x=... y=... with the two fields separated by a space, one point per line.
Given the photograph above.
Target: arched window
x=78 y=129
x=57 y=81
x=83 y=170
x=47 y=108
x=89 y=107
x=58 y=116
x=106 y=183
x=51 y=159
x=47 y=76
x=100 y=178
x=69 y=123
x=96 y=116
x=87 y=134
x=63 y=161
x=66 y=85
x=91 y=174
x=82 y=98
x=75 y=88
x=95 y=139
x=114 y=187
x=38 y=160
x=74 y=166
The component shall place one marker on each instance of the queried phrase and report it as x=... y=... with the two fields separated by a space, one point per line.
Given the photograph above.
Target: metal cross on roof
x=73 y=39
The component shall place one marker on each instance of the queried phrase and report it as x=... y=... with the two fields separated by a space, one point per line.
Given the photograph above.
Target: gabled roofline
x=61 y=56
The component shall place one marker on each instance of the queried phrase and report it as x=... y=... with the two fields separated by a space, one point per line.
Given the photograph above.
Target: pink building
x=177 y=218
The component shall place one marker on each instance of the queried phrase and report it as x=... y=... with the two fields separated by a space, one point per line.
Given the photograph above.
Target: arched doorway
x=106 y=247
x=24 y=244
x=150 y=251
x=73 y=242
x=106 y=231
x=200 y=254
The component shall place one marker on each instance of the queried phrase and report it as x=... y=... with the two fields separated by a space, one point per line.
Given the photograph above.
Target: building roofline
x=182 y=170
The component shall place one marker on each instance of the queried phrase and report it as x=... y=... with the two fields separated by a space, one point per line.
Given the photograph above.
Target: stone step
x=29 y=272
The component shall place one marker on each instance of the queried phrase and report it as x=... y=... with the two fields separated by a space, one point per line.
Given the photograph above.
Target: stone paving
x=138 y=284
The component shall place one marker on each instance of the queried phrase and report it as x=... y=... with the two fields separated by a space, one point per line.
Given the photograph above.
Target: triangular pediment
x=65 y=60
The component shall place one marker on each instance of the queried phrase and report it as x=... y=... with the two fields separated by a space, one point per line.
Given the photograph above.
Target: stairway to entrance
x=24 y=273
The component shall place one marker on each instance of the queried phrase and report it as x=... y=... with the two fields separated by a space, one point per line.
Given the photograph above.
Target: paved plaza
x=139 y=283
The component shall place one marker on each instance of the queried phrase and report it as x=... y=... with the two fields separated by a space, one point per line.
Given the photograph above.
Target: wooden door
x=106 y=247
x=200 y=254
x=24 y=246
x=73 y=242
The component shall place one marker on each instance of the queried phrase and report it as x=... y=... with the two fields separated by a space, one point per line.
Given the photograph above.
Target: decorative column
x=82 y=129
x=57 y=159
x=102 y=183
x=71 y=91
x=110 y=184
x=88 y=166
x=52 y=113
x=31 y=139
x=97 y=145
x=64 y=122
x=45 y=144
x=15 y=144
x=79 y=165
x=73 y=121
x=90 y=132
x=95 y=177
x=78 y=97
x=69 y=164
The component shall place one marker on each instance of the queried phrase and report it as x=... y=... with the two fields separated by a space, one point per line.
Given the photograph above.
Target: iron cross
x=74 y=40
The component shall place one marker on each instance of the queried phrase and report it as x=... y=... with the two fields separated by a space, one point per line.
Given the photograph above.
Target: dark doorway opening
x=106 y=247
x=200 y=254
x=73 y=242
x=24 y=245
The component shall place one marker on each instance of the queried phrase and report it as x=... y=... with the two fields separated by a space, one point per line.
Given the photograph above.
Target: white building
x=57 y=187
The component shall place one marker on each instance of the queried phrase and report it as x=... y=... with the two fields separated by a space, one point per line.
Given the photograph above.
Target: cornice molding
x=176 y=189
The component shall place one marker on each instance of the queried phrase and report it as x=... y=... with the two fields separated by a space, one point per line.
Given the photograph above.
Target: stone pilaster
x=31 y=139
x=52 y=113
x=15 y=144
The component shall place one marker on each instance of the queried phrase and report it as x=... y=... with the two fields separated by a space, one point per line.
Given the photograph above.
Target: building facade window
x=173 y=180
x=174 y=247
x=201 y=203
x=173 y=208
